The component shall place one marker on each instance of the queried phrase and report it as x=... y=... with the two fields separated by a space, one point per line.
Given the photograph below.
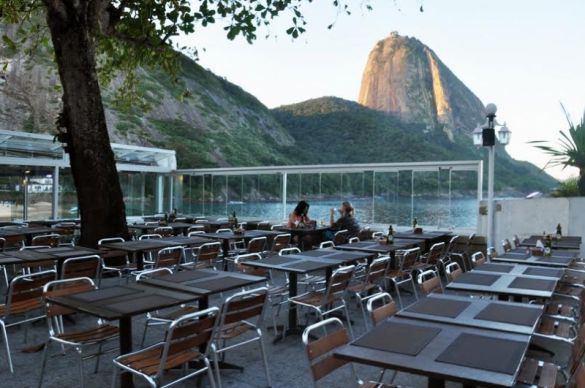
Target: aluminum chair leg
x=81 y=374
x=264 y=359
x=115 y=377
x=216 y=365
x=44 y=363
x=144 y=333
x=209 y=373
x=348 y=319
x=97 y=358
x=6 y=345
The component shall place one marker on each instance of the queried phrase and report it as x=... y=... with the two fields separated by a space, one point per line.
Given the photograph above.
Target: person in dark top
x=346 y=220
x=299 y=215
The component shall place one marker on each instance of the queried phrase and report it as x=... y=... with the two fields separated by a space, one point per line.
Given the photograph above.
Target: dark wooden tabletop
x=247 y=234
x=446 y=352
x=522 y=270
x=123 y=301
x=425 y=235
x=556 y=259
x=372 y=246
x=68 y=252
x=203 y=282
x=174 y=225
x=140 y=245
x=566 y=242
x=26 y=231
x=512 y=317
x=187 y=241
x=304 y=231
x=504 y=284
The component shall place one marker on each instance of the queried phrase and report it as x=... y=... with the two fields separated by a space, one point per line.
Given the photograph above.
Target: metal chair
x=478 y=258
x=3 y=267
x=281 y=241
x=516 y=241
x=435 y=258
x=353 y=240
x=429 y=282
x=363 y=289
x=164 y=231
x=114 y=261
x=196 y=228
x=403 y=274
x=241 y=315
x=79 y=339
x=195 y=233
x=83 y=266
x=36 y=266
x=506 y=245
x=383 y=312
x=340 y=237
x=320 y=352
x=453 y=271
x=170 y=257
x=331 y=298
x=181 y=346
x=51 y=240
x=205 y=256
x=24 y=297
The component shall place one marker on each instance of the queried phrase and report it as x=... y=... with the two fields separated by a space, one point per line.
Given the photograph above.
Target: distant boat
x=236 y=202
x=536 y=194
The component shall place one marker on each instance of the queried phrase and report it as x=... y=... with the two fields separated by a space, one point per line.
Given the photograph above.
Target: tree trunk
x=99 y=195
x=581 y=182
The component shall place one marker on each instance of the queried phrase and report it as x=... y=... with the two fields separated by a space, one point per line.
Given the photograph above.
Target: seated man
x=345 y=221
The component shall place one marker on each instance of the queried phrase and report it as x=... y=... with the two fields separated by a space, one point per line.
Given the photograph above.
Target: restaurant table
x=247 y=235
x=57 y=254
x=122 y=303
x=440 y=351
x=566 y=242
x=429 y=236
x=303 y=263
x=193 y=241
x=26 y=232
x=178 y=227
x=520 y=318
x=556 y=259
x=504 y=284
x=136 y=248
x=522 y=270
x=300 y=233
x=212 y=225
x=371 y=246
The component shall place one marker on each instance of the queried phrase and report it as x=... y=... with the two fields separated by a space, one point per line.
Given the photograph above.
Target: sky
x=526 y=56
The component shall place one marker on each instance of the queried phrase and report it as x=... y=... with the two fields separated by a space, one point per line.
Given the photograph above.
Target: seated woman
x=299 y=215
x=345 y=221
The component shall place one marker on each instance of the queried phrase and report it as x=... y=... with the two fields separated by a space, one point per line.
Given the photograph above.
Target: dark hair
x=348 y=208
x=302 y=208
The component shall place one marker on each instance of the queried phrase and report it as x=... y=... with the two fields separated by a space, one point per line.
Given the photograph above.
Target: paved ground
x=287 y=362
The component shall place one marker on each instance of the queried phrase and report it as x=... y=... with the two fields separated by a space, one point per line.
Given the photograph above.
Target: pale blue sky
x=526 y=56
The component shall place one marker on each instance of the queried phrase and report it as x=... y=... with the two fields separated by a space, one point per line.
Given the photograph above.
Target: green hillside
x=333 y=130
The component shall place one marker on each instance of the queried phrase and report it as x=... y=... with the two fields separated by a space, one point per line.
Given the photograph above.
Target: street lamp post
x=486 y=137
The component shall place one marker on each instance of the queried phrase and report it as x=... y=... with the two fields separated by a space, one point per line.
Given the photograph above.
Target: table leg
x=226 y=251
x=126 y=347
x=138 y=259
x=293 y=327
x=436 y=383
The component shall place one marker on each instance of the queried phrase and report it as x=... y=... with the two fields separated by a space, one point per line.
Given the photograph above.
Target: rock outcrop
x=407 y=79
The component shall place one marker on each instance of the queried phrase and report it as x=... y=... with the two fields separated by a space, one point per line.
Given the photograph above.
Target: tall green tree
x=569 y=150
x=119 y=35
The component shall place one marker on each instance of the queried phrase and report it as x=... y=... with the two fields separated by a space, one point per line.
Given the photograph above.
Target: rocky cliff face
x=407 y=79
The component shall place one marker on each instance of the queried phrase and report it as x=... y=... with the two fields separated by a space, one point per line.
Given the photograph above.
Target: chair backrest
x=327 y=244
x=249 y=269
x=377 y=235
x=387 y=309
x=194 y=228
x=149 y=236
x=46 y=239
x=430 y=282
x=506 y=245
x=164 y=231
x=320 y=351
x=208 y=253
x=365 y=234
x=222 y=219
x=578 y=350
x=244 y=306
x=280 y=242
x=289 y=251
x=189 y=332
x=338 y=283
x=435 y=253
x=110 y=240
x=151 y=223
x=34 y=248
x=84 y=266
x=353 y=240
x=340 y=237
x=195 y=233
x=452 y=244
x=453 y=271
x=224 y=230
x=257 y=245
x=377 y=270
x=277 y=226
x=2 y=243
x=264 y=225
x=59 y=288
x=153 y=273
x=516 y=240
x=201 y=221
x=27 y=288
x=408 y=258
x=169 y=257
x=478 y=258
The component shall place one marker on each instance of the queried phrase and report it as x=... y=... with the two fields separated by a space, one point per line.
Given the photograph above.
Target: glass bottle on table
x=559 y=232
x=390 y=234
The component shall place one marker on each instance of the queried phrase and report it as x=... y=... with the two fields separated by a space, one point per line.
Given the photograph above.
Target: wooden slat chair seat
x=84 y=266
x=387 y=308
x=370 y=284
x=430 y=282
x=166 y=316
x=77 y=338
x=556 y=329
x=255 y=245
x=180 y=346
x=537 y=373
x=241 y=315
x=277 y=294
x=322 y=361
x=331 y=298
x=24 y=296
x=206 y=256
x=407 y=264
x=169 y=257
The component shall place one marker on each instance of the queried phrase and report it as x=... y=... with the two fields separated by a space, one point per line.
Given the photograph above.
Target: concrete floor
x=287 y=361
